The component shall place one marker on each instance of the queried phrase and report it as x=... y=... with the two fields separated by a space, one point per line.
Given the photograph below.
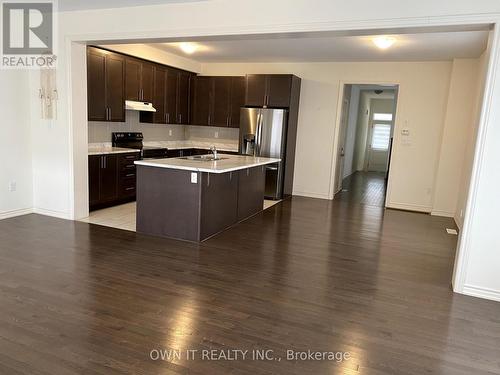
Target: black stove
x=134 y=140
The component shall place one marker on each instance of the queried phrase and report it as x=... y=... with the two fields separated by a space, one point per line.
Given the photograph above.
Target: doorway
x=365 y=142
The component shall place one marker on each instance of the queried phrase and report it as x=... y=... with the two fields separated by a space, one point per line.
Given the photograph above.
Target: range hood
x=139 y=106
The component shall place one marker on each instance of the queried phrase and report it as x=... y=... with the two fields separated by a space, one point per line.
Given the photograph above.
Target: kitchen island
x=192 y=198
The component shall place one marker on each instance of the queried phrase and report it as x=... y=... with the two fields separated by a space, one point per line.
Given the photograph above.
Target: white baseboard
x=442 y=213
x=14 y=213
x=480 y=292
x=311 y=195
x=409 y=207
x=58 y=214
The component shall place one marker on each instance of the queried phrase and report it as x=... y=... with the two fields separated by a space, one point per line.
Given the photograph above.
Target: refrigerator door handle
x=257 y=135
x=259 y=131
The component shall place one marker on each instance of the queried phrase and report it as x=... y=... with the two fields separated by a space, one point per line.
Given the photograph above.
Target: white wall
x=156 y=55
x=470 y=141
x=351 y=132
x=15 y=153
x=422 y=85
x=478 y=260
x=361 y=131
x=459 y=123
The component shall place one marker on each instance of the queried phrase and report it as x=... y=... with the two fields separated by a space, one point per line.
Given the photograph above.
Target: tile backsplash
x=99 y=132
x=209 y=132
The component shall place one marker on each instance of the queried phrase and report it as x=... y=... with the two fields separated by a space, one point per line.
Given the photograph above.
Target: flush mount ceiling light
x=188 y=48
x=384 y=42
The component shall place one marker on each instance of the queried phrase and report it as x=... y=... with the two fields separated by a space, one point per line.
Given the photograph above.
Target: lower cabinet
x=250 y=185
x=112 y=179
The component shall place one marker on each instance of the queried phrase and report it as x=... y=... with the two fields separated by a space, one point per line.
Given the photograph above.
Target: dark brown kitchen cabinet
x=171 y=96
x=158 y=101
x=183 y=82
x=105 y=85
x=139 y=80
x=221 y=101
x=201 y=98
x=238 y=86
x=171 y=90
x=112 y=179
x=216 y=101
x=268 y=90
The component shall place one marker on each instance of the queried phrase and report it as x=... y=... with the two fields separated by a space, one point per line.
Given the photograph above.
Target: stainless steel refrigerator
x=263 y=133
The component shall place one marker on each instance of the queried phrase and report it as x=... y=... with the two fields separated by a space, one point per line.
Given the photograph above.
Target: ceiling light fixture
x=384 y=42
x=188 y=48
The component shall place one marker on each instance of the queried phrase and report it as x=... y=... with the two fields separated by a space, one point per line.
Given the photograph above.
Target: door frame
x=339 y=168
x=336 y=134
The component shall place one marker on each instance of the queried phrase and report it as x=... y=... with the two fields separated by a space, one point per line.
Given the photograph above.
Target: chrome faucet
x=214 y=152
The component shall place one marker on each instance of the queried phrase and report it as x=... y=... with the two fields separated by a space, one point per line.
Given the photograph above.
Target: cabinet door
x=250 y=191
x=221 y=101
x=200 y=103
x=147 y=78
x=159 y=95
x=94 y=171
x=171 y=96
x=255 y=90
x=132 y=79
x=237 y=100
x=115 y=87
x=279 y=90
x=96 y=85
x=108 y=178
x=183 y=97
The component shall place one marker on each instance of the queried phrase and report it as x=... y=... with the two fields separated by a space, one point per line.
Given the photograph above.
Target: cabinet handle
x=130 y=175
x=110 y=113
x=168 y=118
x=208 y=119
x=180 y=118
x=130 y=188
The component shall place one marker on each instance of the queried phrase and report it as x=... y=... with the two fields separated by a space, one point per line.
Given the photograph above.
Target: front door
x=380 y=131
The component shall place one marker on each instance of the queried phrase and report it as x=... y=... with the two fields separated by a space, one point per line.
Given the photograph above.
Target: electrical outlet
x=170 y=132
x=194 y=177
x=12 y=186
x=216 y=134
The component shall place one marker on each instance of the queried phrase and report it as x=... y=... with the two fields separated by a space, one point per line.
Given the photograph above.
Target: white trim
x=442 y=213
x=58 y=214
x=480 y=292
x=310 y=195
x=410 y=207
x=14 y=213
x=463 y=248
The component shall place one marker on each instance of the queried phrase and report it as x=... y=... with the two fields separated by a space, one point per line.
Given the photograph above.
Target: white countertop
x=228 y=164
x=101 y=150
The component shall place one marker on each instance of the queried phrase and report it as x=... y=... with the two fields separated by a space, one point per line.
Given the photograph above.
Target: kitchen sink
x=202 y=158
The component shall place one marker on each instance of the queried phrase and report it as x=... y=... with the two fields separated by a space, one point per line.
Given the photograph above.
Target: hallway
x=367 y=188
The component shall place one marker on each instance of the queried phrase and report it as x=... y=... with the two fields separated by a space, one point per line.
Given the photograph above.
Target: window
x=382 y=116
x=381 y=136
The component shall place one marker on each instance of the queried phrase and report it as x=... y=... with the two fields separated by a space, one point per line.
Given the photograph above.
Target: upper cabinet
x=105 y=85
x=268 y=90
x=216 y=101
x=139 y=80
x=171 y=88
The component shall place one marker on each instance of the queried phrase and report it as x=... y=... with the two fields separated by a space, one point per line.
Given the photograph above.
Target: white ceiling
x=75 y=5
x=409 y=47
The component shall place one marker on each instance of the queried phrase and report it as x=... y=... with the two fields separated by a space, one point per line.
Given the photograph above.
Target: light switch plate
x=216 y=134
x=194 y=177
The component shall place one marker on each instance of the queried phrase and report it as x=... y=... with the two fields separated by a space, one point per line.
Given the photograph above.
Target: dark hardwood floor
x=364 y=188
x=306 y=274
